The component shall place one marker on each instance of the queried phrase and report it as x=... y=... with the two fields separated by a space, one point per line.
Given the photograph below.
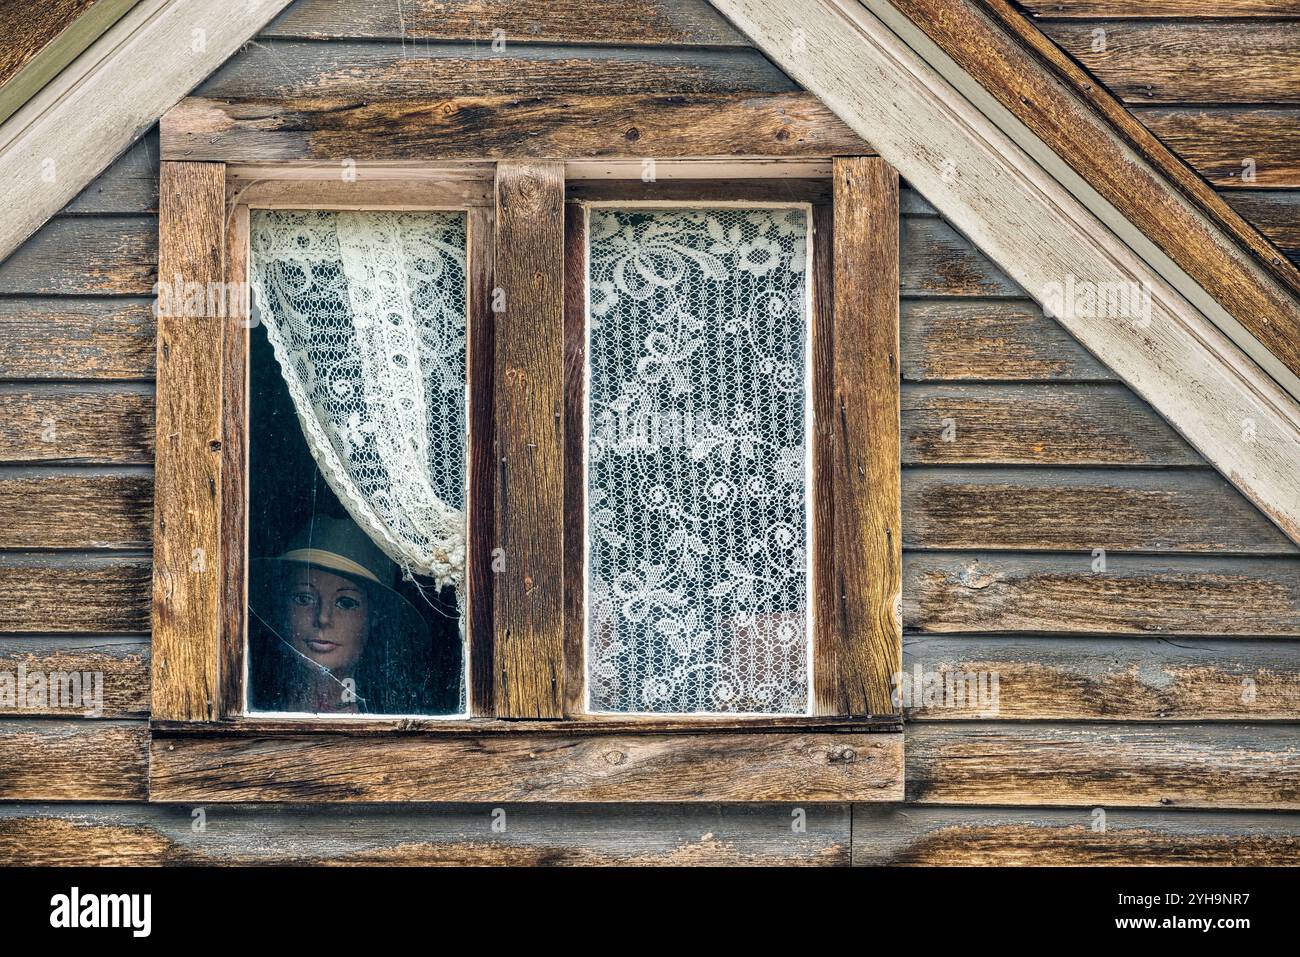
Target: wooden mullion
x=862 y=648
x=528 y=650
x=187 y=558
x=482 y=456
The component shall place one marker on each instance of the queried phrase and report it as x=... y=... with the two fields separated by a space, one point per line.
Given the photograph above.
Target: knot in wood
x=615 y=758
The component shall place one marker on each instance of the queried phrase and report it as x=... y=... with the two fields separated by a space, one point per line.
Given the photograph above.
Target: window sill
x=527 y=764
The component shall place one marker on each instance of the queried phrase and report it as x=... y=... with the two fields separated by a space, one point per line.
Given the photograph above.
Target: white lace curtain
x=366 y=314
x=697 y=534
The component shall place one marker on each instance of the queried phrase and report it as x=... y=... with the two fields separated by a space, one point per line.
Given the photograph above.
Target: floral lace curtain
x=366 y=314
x=697 y=534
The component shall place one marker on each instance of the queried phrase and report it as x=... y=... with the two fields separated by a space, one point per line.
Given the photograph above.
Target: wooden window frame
x=527 y=737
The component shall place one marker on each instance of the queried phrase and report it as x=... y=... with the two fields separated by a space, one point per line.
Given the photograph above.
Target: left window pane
x=357 y=463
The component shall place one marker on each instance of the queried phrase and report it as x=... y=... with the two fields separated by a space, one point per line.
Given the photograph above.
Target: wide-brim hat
x=337 y=545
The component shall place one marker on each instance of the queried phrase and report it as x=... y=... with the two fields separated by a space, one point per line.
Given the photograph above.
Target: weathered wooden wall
x=1215 y=79
x=1164 y=690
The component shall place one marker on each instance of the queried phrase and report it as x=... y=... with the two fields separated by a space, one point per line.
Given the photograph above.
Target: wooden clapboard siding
x=1134 y=595
x=1117 y=765
x=122 y=663
x=504 y=126
x=533 y=835
x=1080 y=837
x=1275 y=212
x=288 y=69
x=1046 y=678
x=85 y=255
x=1159 y=9
x=65 y=760
x=646 y=23
x=1036 y=424
x=83 y=338
x=1187 y=61
x=77 y=423
x=74 y=594
x=75 y=508
x=991 y=339
x=938 y=261
x=1216 y=141
x=1161 y=510
x=128 y=187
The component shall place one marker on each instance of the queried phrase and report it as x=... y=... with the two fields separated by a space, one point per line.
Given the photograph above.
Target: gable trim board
x=1037 y=223
x=1036 y=230
x=67 y=134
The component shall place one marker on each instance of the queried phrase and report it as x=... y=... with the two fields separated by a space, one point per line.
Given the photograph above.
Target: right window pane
x=698 y=416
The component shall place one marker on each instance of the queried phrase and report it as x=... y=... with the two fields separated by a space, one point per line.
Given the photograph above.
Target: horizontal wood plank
x=115 y=676
x=776 y=124
x=938 y=261
x=1036 y=424
x=63 y=594
x=341 y=70
x=1232 y=146
x=1008 y=340
x=532 y=835
x=75 y=509
x=128 y=187
x=1162 y=510
x=648 y=23
x=1188 y=62
x=73 y=760
x=1159 y=9
x=1061 y=594
x=85 y=255
x=1042 y=678
x=95 y=425
x=986 y=837
x=1276 y=213
x=65 y=337
x=520 y=767
x=1253 y=767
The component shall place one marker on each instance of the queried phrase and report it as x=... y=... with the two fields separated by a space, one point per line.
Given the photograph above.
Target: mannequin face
x=328 y=617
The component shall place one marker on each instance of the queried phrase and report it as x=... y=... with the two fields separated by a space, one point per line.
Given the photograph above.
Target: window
x=529 y=486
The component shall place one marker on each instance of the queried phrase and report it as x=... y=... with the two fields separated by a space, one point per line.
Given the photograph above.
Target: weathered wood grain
x=1276 y=213
x=851 y=671
x=1086 y=128
x=651 y=23
x=120 y=667
x=1039 y=424
x=1252 y=767
x=480 y=256
x=1159 y=9
x=61 y=338
x=527 y=835
x=1163 y=510
x=48 y=508
x=938 y=261
x=528 y=596
x=1217 y=142
x=74 y=594
x=1042 y=678
x=343 y=70
x=575 y=490
x=1188 y=62
x=1006 y=340
x=983 y=837
x=93 y=425
x=521 y=767
x=48 y=760
x=188 y=567
x=128 y=187
x=1061 y=594
x=78 y=255
x=495 y=126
